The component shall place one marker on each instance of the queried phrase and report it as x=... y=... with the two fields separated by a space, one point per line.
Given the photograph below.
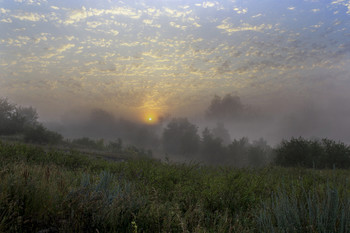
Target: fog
x=273 y=120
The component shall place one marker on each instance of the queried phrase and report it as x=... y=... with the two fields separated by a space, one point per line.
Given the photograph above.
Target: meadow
x=50 y=190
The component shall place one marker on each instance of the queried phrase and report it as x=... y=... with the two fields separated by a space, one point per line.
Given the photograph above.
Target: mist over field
x=278 y=119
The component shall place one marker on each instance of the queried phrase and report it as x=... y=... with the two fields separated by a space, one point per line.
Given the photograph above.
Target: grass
x=57 y=191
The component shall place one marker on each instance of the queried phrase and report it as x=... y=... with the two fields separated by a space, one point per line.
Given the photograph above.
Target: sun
x=150 y=118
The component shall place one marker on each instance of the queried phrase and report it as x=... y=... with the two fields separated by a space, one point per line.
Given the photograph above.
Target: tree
x=211 y=147
x=14 y=119
x=24 y=120
x=220 y=132
x=337 y=154
x=29 y=115
x=229 y=107
x=10 y=120
x=237 y=152
x=323 y=153
x=259 y=153
x=39 y=134
x=295 y=152
x=7 y=110
x=180 y=137
x=7 y=113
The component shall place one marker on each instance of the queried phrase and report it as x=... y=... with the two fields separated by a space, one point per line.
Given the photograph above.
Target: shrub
x=323 y=153
x=39 y=134
x=180 y=137
x=14 y=119
x=90 y=143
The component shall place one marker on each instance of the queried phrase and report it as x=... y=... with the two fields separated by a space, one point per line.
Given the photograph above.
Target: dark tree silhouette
x=212 y=149
x=221 y=132
x=180 y=137
x=15 y=119
x=323 y=153
x=229 y=107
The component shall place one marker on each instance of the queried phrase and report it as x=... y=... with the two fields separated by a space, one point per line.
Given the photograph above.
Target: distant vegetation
x=23 y=121
x=180 y=138
x=323 y=153
x=93 y=185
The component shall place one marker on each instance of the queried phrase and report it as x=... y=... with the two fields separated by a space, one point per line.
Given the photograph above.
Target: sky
x=145 y=58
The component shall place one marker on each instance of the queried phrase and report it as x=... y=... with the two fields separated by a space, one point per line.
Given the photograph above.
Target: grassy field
x=43 y=190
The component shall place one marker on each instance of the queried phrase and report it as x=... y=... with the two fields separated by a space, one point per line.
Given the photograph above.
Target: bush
x=39 y=134
x=87 y=142
x=211 y=148
x=14 y=119
x=323 y=153
x=180 y=137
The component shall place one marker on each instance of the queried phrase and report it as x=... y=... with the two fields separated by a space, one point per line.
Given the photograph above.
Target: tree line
x=23 y=121
x=182 y=138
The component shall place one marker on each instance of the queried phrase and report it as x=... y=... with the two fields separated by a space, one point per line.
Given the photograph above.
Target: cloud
x=209 y=4
x=240 y=10
x=31 y=2
x=41 y=37
x=65 y=48
x=256 y=16
x=173 y=24
x=103 y=43
x=29 y=16
x=78 y=15
x=177 y=13
x=147 y=21
x=58 y=51
x=4 y=11
x=150 y=22
x=114 y=32
x=94 y=24
x=8 y=20
x=229 y=28
x=121 y=50
x=291 y=8
x=345 y=3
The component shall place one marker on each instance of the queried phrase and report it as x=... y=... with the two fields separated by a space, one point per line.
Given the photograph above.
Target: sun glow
x=150 y=118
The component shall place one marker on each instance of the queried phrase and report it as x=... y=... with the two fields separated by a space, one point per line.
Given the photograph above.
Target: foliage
x=24 y=120
x=242 y=153
x=220 y=132
x=323 y=153
x=11 y=119
x=89 y=143
x=39 y=134
x=212 y=149
x=56 y=191
x=115 y=146
x=227 y=108
x=321 y=210
x=180 y=137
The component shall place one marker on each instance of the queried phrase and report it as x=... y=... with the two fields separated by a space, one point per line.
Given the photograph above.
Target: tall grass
x=322 y=210
x=55 y=191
